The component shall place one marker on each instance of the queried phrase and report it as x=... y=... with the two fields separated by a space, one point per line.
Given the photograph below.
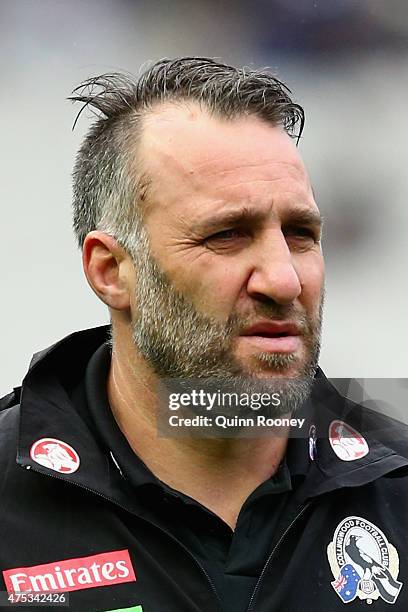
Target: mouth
x=273 y=337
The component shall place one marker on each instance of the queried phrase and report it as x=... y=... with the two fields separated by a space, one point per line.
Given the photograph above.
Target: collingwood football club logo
x=364 y=564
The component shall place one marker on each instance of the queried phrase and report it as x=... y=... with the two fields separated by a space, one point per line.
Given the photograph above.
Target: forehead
x=187 y=153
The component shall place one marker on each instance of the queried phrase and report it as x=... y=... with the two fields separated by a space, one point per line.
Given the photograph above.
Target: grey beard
x=179 y=342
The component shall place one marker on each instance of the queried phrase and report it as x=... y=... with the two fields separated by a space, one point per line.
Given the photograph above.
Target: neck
x=219 y=473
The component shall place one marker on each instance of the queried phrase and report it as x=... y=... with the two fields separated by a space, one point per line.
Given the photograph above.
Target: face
x=229 y=269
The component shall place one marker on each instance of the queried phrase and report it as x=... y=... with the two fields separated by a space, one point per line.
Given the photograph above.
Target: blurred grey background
x=347 y=64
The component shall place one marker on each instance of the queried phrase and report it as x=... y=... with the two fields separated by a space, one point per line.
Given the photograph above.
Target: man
x=200 y=232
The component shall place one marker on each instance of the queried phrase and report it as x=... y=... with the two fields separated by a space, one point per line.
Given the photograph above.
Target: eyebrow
x=303 y=216
x=298 y=215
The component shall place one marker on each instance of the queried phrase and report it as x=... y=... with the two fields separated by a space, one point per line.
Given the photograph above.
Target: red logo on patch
x=104 y=569
x=56 y=455
x=347 y=442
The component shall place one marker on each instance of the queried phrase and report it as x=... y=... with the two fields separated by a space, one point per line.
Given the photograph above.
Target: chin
x=263 y=371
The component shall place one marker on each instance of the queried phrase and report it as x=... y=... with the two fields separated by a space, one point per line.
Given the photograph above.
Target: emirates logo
x=103 y=569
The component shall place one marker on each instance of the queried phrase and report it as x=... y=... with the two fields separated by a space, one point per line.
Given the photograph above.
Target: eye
x=229 y=234
x=228 y=241
x=302 y=233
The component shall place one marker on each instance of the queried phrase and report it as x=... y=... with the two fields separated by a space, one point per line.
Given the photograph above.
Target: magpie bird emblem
x=363 y=563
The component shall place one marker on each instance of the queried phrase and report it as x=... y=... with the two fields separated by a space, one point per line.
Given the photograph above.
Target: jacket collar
x=48 y=412
x=384 y=441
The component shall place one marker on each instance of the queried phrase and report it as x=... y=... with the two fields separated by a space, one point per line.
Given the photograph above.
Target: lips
x=269 y=329
x=273 y=336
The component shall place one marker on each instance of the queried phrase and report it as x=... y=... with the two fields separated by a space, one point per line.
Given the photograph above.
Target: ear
x=108 y=269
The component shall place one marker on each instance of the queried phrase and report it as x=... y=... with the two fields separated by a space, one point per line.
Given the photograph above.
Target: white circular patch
x=347 y=442
x=55 y=455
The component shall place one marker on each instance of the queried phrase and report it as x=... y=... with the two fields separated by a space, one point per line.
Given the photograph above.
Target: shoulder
x=9 y=415
x=10 y=399
x=9 y=409
x=374 y=419
x=9 y=430
x=381 y=428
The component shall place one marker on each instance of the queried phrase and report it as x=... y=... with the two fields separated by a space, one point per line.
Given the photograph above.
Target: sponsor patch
x=104 y=569
x=363 y=563
x=55 y=455
x=347 y=442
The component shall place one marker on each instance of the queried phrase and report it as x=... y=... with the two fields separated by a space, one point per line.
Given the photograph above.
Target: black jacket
x=83 y=530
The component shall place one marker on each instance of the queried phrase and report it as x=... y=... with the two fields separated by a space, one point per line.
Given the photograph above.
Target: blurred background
x=346 y=62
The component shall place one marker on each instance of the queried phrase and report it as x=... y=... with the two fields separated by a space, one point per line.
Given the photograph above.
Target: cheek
x=311 y=275
x=214 y=289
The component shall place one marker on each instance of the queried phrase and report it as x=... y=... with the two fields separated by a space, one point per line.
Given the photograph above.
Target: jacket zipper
x=278 y=543
x=203 y=570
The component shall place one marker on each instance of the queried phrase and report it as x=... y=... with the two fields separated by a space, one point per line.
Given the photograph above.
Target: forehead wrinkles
x=188 y=152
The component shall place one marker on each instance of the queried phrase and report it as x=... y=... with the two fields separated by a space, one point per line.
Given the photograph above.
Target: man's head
x=207 y=236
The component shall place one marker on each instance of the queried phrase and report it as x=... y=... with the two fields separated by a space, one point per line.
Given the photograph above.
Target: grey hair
x=107 y=193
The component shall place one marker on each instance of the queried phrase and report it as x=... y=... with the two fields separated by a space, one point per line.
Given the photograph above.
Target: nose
x=273 y=274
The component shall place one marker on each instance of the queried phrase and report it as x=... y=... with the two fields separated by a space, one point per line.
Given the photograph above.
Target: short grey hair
x=107 y=193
